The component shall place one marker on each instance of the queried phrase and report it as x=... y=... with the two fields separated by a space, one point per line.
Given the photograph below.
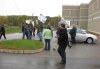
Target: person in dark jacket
x=25 y=30
x=30 y=30
x=34 y=31
x=62 y=42
x=73 y=35
x=2 y=31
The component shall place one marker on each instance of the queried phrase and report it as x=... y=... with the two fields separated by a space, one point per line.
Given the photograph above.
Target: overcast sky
x=36 y=7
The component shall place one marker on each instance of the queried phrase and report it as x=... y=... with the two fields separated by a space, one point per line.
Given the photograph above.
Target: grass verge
x=13 y=30
x=19 y=44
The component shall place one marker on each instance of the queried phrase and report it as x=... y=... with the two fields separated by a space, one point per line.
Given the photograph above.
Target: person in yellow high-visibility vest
x=47 y=34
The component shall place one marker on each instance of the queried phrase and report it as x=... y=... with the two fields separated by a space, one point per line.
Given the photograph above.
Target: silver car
x=83 y=36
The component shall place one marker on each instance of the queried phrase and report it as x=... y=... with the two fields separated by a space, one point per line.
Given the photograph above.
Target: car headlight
x=95 y=37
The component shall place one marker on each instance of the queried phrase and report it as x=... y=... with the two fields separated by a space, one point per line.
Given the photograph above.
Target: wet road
x=81 y=56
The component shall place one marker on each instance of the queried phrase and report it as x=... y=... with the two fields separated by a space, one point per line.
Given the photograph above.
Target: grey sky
x=36 y=7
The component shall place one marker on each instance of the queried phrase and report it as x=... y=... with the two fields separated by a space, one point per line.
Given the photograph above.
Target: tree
x=3 y=20
x=54 y=20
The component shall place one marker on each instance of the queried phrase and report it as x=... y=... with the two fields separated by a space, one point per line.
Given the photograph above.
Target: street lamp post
x=33 y=20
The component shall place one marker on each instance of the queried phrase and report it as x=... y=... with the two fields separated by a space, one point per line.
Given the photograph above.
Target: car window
x=80 y=31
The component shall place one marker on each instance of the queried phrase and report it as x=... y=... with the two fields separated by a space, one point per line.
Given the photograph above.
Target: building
x=85 y=16
x=77 y=15
x=94 y=16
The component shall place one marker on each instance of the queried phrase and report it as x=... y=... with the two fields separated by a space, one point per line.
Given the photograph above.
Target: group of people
x=62 y=36
x=28 y=30
x=63 y=41
x=2 y=31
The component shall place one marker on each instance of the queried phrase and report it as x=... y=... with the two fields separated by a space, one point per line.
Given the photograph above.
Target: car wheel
x=89 y=40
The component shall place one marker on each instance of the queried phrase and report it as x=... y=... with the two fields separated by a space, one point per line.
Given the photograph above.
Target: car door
x=80 y=36
x=69 y=37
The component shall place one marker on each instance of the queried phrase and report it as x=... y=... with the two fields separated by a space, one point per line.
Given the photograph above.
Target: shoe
x=48 y=49
x=62 y=63
x=54 y=49
x=70 y=47
x=45 y=49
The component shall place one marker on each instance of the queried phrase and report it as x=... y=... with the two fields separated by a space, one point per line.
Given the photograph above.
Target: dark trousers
x=62 y=53
x=25 y=34
x=33 y=32
x=2 y=34
x=47 y=44
x=30 y=34
x=73 y=41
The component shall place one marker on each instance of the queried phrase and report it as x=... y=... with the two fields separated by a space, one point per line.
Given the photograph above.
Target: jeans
x=40 y=35
x=30 y=34
x=47 y=44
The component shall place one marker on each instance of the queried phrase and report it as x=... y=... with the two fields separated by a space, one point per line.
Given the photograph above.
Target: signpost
x=67 y=22
x=28 y=21
x=42 y=18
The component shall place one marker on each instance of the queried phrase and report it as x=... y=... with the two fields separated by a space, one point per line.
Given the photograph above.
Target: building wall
x=86 y=16
x=94 y=16
x=83 y=16
x=76 y=14
x=70 y=12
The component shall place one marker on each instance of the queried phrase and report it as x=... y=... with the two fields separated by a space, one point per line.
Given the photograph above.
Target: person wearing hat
x=62 y=42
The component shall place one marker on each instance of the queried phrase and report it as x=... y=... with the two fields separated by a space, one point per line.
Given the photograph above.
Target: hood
x=91 y=35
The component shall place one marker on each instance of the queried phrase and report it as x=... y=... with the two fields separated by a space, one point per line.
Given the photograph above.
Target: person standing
x=62 y=42
x=2 y=31
x=34 y=31
x=73 y=34
x=25 y=30
x=39 y=31
x=47 y=34
x=30 y=30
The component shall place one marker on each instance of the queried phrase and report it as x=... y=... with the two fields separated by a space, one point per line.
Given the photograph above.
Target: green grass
x=21 y=44
x=13 y=30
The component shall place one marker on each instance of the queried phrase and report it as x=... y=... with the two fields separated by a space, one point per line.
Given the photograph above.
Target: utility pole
x=33 y=20
x=32 y=17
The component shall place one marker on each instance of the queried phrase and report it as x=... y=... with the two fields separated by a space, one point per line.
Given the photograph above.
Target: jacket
x=62 y=37
x=73 y=32
x=47 y=34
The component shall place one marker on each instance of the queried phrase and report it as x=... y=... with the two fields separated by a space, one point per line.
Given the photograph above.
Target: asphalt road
x=80 y=56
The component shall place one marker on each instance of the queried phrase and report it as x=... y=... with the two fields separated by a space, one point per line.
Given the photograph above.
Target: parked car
x=83 y=36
